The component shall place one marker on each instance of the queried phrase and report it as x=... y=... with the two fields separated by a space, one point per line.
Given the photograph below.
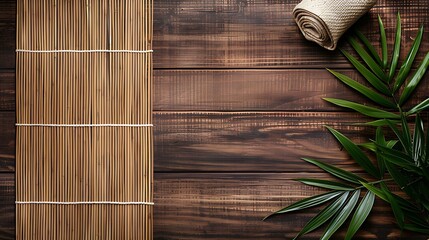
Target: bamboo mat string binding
x=82 y=125
x=83 y=51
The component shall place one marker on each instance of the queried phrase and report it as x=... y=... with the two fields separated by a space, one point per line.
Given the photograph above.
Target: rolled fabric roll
x=325 y=21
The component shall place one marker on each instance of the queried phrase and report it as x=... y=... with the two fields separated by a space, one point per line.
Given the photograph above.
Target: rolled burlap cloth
x=325 y=21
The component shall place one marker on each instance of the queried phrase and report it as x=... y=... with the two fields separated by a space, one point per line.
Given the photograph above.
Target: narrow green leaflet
x=383 y=41
x=367 y=92
x=425 y=173
x=378 y=192
x=337 y=172
x=416 y=219
x=368 y=145
x=380 y=140
x=307 y=203
x=324 y=215
x=416 y=228
x=367 y=74
x=365 y=110
x=375 y=68
x=406 y=205
x=419 y=107
x=406 y=134
x=355 y=152
x=369 y=46
x=396 y=48
x=325 y=184
x=418 y=141
x=360 y=215
x=415 y=80
x=380 y=122
x=408 y=62
x=400 y=178
x=426 y=157
x=403 y=138
x=400 y=159
x=372 y=147
x=397 y=211
x=342 y=216
x=391 y=143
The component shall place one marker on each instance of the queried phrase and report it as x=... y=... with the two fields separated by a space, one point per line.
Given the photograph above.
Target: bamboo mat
x=84 y=154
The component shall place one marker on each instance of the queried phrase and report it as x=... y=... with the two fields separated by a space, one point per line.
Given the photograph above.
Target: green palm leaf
x=397 y=211
x=373 y=147
x=396 y=48
x=355 y=152
x=415 y=80
x=307 y=203
x=401 y=179
x=369 y=46
x=342 y=216
x=399 y=158
x=380 y=140
x=367 y=92
x=378 y=192
x=365 y=110
x=367 y=74
x=337 y=172
x=325 y=184
x=383 y=43
x=360 y=215
x=426 y=152
x=324 y=215
x=403 y=137
x=408 y=62
x=418 y=141
x=380 y=122
x=375 y=68
x=419 y=107
x=416 y=228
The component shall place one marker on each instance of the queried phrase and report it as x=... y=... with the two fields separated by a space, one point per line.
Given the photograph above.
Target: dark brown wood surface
x=237 y=104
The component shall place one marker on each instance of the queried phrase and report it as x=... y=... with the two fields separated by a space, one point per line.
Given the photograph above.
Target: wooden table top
x=237 y=104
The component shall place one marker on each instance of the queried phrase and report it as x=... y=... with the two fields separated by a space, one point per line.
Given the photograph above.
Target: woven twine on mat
x=325 y=21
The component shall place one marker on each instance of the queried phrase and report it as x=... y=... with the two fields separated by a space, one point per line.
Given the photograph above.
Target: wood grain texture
x=249 y=141
x=7 y=91
x=239 y=90
x=236 y=141
x=228 y=206
x=7 y=206
x=258 y=34
x=7 y=33
x=7 y=142
x=215 y=56
x=239 y=34
x=260 y=90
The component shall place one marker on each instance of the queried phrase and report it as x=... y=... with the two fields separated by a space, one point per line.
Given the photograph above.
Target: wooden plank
x=7 y=33
x=236 y=141
x=7 y=91
x=239 y=34
x=230 y=206
x=259 y=34
x=251 y=141
x=7 y=206
x=261 y=90
x=227 y=206
x=7 y=142
x=239 y=90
